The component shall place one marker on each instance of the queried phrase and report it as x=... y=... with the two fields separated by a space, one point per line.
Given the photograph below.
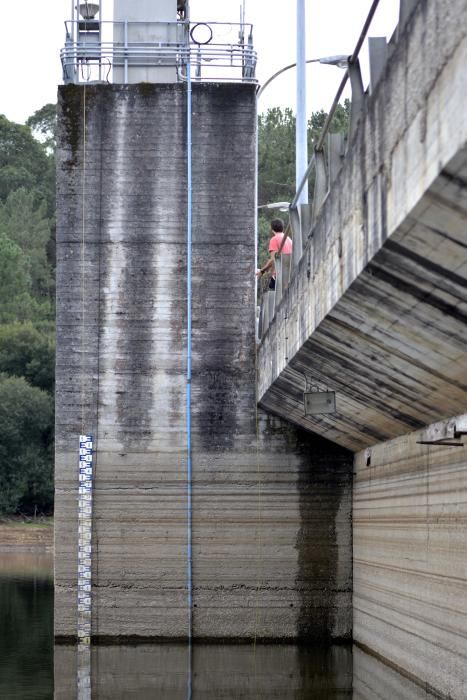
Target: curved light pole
x=340 y=61
x=301 y=156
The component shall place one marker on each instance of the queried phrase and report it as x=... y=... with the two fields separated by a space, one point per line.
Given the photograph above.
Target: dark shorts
x=272 y=283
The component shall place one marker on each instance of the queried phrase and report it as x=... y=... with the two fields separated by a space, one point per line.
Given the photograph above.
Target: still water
x=26 y=626
x=150 y=672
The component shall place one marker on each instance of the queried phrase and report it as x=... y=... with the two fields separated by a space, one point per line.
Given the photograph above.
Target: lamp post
x=301 y=160
x=301 y=145
x=340 y=61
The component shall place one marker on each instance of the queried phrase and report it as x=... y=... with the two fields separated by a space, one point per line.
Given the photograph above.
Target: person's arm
x=267 y=265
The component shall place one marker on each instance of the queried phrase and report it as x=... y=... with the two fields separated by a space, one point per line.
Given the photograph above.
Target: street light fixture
x=282 y=206
x=340 y=61
x=301 y=155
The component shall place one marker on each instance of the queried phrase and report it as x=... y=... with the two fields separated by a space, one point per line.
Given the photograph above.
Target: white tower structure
x=143 y=23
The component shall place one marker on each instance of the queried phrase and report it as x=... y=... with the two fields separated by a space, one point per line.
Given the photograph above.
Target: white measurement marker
x=84 y=566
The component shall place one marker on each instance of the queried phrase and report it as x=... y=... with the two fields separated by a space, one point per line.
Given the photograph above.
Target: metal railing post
x=125 y=43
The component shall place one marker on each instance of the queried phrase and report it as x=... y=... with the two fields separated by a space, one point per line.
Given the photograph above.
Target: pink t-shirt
x=275 y=244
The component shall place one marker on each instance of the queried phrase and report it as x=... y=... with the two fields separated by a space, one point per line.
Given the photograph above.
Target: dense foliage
x=276 y=159
x=27 y=291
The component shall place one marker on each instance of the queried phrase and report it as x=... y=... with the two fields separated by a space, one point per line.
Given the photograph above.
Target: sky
x=32 y=33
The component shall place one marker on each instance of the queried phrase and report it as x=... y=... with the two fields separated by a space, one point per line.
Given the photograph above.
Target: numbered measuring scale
x=84 y=565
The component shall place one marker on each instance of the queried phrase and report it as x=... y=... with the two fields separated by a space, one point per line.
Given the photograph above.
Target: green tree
x=27 y=203
x=26 y=351
x=339 y=124
x=276 y=155
x=16 y=300
x=26 y=472
x=276 y=159
x=43 y=124
x=24 y=162
x=24 y=221
x=14 y=270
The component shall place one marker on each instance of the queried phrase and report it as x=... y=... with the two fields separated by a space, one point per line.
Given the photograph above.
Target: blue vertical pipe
x=188 y=370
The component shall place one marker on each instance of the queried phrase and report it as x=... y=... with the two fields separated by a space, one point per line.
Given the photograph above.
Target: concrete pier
x=271 y=513
x=410 y=549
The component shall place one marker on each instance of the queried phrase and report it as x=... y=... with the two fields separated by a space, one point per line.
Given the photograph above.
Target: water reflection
x=26 y=631
x=161 y=671
x=285 y=672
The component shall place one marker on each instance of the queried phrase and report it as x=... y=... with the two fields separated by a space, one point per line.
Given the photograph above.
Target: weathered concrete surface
x=373 y=678
x=376 y=310
x=410 y=553
x=271 y=504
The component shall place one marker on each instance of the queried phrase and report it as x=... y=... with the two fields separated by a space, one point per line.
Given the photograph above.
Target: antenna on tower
x=241 y=33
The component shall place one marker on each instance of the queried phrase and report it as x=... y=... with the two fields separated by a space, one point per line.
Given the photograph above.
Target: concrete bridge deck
x=375 y=309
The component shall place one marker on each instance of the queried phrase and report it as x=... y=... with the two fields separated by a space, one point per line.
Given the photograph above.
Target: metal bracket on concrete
x=378 y=50
x=447 y=432
x=321 y=184
x=316 y=401
x=358 y=97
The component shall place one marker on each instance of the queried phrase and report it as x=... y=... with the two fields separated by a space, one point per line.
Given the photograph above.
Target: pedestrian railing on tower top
x=129 y=52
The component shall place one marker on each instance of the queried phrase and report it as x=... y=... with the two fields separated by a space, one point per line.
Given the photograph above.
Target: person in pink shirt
x=275 y=245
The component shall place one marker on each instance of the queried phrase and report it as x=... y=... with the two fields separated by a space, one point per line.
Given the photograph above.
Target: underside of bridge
x=376 y=311
x=393 y=347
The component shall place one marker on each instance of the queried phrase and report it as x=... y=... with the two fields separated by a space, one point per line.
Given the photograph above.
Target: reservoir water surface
x=31 y=669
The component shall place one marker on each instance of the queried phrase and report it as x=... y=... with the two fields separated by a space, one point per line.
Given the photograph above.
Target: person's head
x=277 y=225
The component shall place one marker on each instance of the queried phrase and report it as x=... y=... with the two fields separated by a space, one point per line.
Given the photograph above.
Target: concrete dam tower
x=182 y=511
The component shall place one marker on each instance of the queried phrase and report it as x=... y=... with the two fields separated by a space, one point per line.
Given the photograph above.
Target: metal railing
x=327 y=159
x=215 y=51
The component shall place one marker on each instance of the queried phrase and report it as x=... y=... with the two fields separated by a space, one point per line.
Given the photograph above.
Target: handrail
x=317 y=159
x=352 y=60
x=90 y=43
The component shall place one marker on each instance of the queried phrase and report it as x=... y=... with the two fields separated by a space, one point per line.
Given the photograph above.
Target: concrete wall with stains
x=271 y=503
x=410 y=553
